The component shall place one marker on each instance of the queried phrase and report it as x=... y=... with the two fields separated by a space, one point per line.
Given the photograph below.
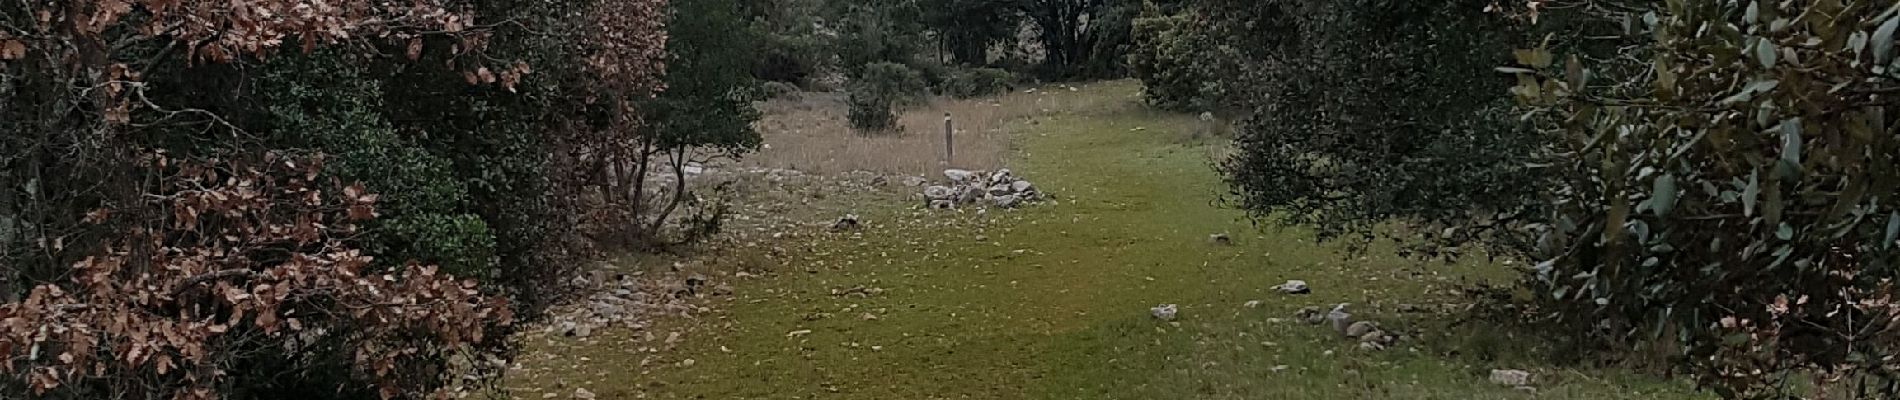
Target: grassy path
x=1052 y=302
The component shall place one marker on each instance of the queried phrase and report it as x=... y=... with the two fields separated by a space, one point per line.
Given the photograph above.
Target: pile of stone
x=999 y=189
x=1368 y=333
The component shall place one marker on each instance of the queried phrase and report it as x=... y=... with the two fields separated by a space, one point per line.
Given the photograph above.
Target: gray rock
x=847 y=223
x=1164 y=312
x=1220 y=239
x=1002 y=176
x=722 y=290
x=1000 y=190
x=1293 y=287
x=914 y=181
x=1361 y=329
x=942 y=204
x=1371 y=346
x=1022 y=187
x=970 y=194
x=1310 y=315
x=1340 y=319
x=1007 y=201
x=958 y=175
x=939 y=193
x=1511 y=377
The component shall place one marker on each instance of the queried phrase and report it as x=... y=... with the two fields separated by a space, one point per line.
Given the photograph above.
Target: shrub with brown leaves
x=245 y=266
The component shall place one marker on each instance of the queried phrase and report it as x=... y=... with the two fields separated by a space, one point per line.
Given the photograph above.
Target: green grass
x=1054 y=303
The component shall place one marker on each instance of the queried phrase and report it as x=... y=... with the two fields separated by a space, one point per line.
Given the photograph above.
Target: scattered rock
x=1164 y=312
x=1006 y=201
x=583 y=394
x=1022 y=187
x=722 y=290
x=1376 y=336
x=1340 y=319
x=935 y=193
x=1220 y=239
x=958 y=175
x=1252 y=304
x=582 y=331
x=1293 y=287
x=1410 y=308
x=942 y=204
x=1310 y=315
x=914 y=181
x=1371 y=346
x=847 y=223
x=1361 y=329
x=1511 y=377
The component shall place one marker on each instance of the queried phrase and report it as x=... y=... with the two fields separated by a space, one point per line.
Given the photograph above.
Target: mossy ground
x=1051 y=302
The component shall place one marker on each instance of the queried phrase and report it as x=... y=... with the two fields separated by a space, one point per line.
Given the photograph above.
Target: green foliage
x=978 y=82
x=1367 y=111
x=325 y=103
x=1183 y=60
x=968 y=28
x=791 y=47
x=710 y=89
x=1083 y=38
x=877 y=91
x=879 y=33
x=1729 y=184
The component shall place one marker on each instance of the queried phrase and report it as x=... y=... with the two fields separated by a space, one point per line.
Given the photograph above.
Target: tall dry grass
x=809 y=133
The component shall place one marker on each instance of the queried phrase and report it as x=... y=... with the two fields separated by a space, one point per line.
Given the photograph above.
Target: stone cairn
x=999 y=189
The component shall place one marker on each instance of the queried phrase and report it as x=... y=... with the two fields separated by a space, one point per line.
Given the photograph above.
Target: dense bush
x=1728 y=185
x=978 y=82
x=246 y=274
x=876 y=93
x=1365 y=111
x=792 y=44
x=328 y=103
x=1183 y=61
x=1711 y=175
x=176 y=162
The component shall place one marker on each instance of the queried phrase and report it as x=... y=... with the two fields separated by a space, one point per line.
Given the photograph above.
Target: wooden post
x=949 y=142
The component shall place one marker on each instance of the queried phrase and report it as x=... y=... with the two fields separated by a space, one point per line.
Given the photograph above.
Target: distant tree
x=707 y=106
x=884 y=32
x=1082 y=37
x=968 y=28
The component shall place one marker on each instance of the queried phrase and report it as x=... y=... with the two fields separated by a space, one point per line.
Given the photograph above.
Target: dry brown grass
x=810 y=133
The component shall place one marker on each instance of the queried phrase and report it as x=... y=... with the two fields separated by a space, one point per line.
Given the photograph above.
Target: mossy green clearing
x=1051 y=302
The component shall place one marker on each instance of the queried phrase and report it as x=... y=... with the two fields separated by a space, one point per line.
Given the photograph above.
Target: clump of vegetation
x=878 y=91
x=1708 y=175
x=978 y=82
x=778 y=90
x=1740 y=205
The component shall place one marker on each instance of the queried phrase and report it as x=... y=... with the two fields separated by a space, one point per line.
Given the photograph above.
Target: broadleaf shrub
x=242 y=270
x=1730 y=183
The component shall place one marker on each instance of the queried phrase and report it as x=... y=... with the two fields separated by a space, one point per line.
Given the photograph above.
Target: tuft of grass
x=1051 y=302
